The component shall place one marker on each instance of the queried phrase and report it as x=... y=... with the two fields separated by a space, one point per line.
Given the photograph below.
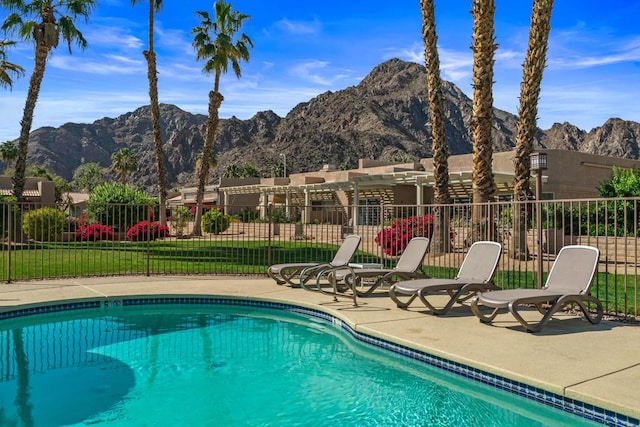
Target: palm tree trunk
x=527 y=121
x=484 y=47
x=23 y=388
x=440 y=241
x=41 y=53
x=215 y=100
x=152 y=75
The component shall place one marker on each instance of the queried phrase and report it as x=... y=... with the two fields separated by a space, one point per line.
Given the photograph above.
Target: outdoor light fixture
x=538 y=161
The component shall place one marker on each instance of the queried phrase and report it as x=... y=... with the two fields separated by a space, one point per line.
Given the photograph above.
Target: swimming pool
x=201 y=363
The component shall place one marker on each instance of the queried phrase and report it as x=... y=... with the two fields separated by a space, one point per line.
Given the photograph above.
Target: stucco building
x=344 y=196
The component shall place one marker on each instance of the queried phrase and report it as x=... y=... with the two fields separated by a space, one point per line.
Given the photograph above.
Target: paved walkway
x=595 y=364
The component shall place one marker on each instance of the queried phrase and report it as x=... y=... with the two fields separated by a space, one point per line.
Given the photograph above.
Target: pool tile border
x=575 y=407
x=46 y=309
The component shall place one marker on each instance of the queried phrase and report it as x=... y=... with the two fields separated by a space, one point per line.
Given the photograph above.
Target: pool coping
x=399 y=346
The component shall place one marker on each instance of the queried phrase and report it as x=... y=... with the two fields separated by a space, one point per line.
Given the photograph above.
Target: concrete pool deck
x=595 y=364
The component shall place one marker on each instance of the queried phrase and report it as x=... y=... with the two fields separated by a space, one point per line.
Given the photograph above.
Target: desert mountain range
x=384 y=117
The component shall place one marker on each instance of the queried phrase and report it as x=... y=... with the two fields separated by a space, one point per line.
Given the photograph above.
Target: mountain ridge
x=383 y=117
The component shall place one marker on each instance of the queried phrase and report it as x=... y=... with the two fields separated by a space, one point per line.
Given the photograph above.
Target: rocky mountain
x=384 y=117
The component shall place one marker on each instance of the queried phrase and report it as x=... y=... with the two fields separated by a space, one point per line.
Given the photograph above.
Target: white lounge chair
x=475 y=274
x=406 y=268
x=568 y=283
x=288 y=273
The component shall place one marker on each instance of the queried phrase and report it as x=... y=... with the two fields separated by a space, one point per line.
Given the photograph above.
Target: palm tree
x=7 y=69
x=124 y=161
x=532 y=72
x=152 y=75
x=440 y=150
x=8 y=152
x=213 y=160
x=43 y=22
x=484 y=47
x=216 y=43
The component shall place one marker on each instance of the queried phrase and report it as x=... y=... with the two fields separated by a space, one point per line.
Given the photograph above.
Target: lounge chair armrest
x=479 y=286
x=308 y=272
x=330 y=273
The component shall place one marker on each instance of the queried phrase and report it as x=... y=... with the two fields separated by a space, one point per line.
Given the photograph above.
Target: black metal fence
x=44 y=242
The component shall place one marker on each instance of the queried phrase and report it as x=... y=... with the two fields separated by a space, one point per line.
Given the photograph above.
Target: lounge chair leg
x=481 y=316
x=452 y=299
x=599 y=310
x=513 y=308
x=399 y=303
x=277 y=279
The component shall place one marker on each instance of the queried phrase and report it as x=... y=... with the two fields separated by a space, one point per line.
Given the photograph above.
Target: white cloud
x=309 y=71
x=414 y=53
x=111 y=64
x=588 y=47
x=113 y=38
x=298 y=27
x=629 y=53
x=508 y=58
x=78 y=107
x=173 y=40
x=455 y=65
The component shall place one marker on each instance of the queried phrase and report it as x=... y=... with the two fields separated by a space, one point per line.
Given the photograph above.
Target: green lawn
x=50 y=260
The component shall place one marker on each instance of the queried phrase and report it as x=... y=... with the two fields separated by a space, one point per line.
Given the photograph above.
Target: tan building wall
x=36 y=189
x=570 y=174
x=574 y=175
x=214 y=195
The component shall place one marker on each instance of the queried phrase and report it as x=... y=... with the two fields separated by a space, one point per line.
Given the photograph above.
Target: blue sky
x=304 y=48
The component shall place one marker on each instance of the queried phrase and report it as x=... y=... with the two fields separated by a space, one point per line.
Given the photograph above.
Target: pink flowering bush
x=94 y=232
x=147 y=230
x=394 y=239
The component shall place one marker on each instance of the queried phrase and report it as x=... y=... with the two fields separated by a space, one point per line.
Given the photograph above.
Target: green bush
x=248 y=215
x=215 y=221
x=180 y=219
x=279 y=216
x=615 y=217
x=44 y=224
x=119 y=205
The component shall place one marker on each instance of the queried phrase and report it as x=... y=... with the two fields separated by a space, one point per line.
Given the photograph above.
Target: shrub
x=119 y=205
x=146 y=230
x=94 y=232
x=180 y=218
x=394 y=239
x=279 y=216
x=249 y=215
x=215 y=221
x=44 y=224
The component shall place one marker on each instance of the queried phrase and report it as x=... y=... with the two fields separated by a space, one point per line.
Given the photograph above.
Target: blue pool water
x=230 y=366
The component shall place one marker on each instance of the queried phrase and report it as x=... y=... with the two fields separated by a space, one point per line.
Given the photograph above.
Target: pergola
x=460 y=187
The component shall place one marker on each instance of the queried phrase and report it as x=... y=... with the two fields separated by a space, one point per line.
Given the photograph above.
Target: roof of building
x=460 y=184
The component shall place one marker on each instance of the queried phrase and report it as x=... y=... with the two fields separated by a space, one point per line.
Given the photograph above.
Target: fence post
x=539 y=238
x=269 y=247
x=149 y=210
x=9 y=240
